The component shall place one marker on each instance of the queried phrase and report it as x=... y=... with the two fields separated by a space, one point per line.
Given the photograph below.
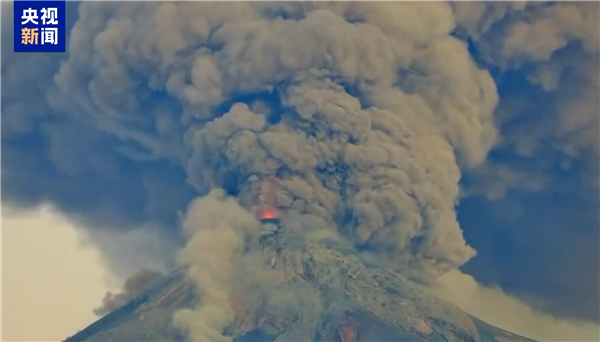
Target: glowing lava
x=268 y=214
x=268 y=199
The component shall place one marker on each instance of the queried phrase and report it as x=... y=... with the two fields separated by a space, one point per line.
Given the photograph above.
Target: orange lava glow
x=268 y=214
x=347 y=334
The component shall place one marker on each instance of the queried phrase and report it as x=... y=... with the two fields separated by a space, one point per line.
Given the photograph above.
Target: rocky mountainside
x=356 y=302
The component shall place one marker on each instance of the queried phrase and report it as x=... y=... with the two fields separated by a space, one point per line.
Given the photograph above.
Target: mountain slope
x=342 y=299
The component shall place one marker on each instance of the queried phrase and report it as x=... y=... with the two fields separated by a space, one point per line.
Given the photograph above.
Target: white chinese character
x=50 y=14
x=49 y=35
x=29 y=14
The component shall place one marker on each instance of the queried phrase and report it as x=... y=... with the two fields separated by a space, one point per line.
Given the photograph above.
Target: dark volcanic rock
x=342 y=300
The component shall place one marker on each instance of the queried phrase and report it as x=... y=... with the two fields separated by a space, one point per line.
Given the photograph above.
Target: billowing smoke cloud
x=216 y=227
x=368 y=113
x=379 y=162
x=235 y=269
x=555 y=122
x=132 y=287
x=547 y=159
x=53 y=153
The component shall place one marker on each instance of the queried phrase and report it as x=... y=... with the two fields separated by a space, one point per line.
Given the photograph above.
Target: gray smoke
x=557 y=46
x=368 y=123
x=548 y=152
x=132 y=287
x=367 y=112
x=216 y=227
x=373 y=153
x=224 y=258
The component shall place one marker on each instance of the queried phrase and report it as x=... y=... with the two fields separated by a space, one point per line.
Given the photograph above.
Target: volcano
x=358 y=301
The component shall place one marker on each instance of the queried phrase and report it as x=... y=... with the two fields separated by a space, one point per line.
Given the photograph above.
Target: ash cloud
x=546 y=160
x=378 y=118
x=399 y=201
x=132 y=287
x=549 y=110
x=54 y=153
x=225 y=260
x=216 y=227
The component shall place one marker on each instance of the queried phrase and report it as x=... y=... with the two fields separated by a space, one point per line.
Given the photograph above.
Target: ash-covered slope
x=357 y=302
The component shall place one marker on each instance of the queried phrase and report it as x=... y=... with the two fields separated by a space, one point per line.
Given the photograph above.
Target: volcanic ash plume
x=367 y=116
x=132 y=287
x=366 y=172
x=216 y=226
x=364 y=112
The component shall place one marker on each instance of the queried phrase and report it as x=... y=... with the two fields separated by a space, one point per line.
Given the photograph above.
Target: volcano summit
x=293 y=289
